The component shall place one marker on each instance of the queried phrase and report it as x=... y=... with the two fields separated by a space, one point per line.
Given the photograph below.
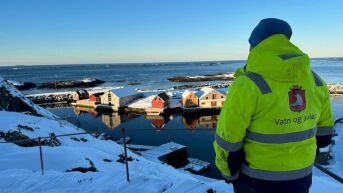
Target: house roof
x=124 y=92
x=223 y=90
x=186 y=93
x=98 y=94
x=81 y=92
x=204 y=91
x=163 y=96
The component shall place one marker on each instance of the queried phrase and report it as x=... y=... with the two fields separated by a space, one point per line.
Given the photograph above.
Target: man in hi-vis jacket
x=277 y=113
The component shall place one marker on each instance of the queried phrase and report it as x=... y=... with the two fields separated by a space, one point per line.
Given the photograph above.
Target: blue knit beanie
x=268 y=27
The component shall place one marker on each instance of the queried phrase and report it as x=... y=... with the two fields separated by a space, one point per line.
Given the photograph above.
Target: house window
x=109 y=98
x=206 y=98
x=214 y=96
x=222 y=97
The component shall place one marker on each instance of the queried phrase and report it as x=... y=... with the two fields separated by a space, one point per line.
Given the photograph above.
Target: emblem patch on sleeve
x=297 y=100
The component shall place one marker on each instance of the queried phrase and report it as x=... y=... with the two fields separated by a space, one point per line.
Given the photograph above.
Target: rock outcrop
x=13 y=100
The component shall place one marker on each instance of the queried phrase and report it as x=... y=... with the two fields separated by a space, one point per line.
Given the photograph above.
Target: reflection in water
x=158 y=122
x=208 y=121
x=113 y=120
x=193 y=122
x=147 y=130
x=79 y=110
x=190 y=123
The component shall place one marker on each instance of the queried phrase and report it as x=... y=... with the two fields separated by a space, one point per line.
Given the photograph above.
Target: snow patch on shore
x=336 y=164
x=15 y=83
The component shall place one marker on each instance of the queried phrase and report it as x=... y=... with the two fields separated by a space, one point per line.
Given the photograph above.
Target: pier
x=174 y=154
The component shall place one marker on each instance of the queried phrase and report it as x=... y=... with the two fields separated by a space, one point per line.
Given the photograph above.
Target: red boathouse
x=160 y=101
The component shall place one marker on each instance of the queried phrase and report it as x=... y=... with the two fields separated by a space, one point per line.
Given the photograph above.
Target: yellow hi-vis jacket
x=272 y=115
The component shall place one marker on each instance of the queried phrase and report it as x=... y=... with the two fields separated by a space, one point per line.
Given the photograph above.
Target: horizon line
x=150 y=62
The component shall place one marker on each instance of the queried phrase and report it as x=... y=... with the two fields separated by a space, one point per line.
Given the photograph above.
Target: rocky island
x=88 y=82
x=208 y=77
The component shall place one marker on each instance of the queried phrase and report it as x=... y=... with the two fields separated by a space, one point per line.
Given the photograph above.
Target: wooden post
x=41 y=155
x=125 y=156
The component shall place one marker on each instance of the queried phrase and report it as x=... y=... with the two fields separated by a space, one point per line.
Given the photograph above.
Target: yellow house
x=189 y=99
x=211 y=98
x=120 y=97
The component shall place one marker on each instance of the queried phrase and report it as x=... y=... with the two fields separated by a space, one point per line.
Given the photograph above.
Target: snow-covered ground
x=336 y=164
x=20 y=166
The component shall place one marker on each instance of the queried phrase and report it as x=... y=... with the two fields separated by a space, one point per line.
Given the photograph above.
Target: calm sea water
x=149 y=76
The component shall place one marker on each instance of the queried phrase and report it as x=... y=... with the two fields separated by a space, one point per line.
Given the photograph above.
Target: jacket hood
x=278 y=59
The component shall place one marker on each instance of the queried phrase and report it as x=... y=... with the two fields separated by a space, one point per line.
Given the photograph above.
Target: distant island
x=84 y=83
x=208 y=77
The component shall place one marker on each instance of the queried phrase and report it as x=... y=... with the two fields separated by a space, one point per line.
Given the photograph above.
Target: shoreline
x=64 y=99
x=65 y=96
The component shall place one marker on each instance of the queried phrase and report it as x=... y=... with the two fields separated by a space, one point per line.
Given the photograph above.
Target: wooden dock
x=197 y=166
x=107 y=108
x=84 y=103
x=140 y=147
x=191 y=110
x=154 y=111
x=171 y=153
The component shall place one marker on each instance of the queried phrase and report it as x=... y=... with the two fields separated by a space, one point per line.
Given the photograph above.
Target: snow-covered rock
x=13 y=100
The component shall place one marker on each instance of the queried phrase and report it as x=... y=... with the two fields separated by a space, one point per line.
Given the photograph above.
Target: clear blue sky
x=104 y=31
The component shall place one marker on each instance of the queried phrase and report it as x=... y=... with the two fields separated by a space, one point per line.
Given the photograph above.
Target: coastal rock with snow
x=22 y=85
x=13 y=100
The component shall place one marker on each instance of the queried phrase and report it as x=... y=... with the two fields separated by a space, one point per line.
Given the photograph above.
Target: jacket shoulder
x=251 y=84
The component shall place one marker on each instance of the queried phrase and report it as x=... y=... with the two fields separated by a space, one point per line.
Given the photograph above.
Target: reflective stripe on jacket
x=272 y=115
